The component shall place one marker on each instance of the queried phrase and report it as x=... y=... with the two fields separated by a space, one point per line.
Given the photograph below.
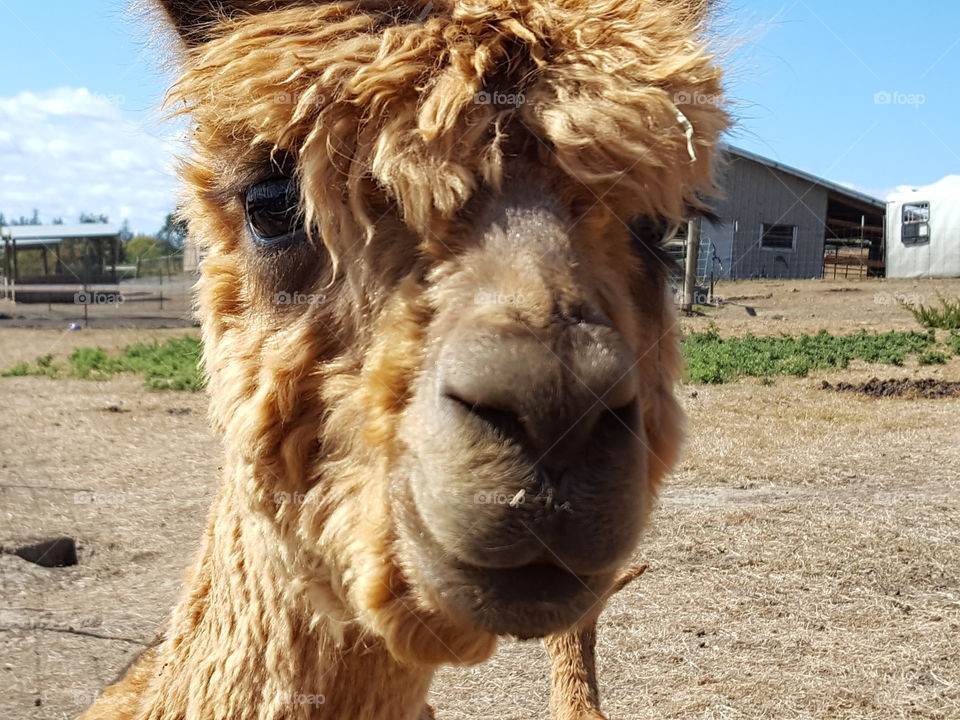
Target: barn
x=85 y=252
x=775 y=221
x=45 y=263
x=923 y=231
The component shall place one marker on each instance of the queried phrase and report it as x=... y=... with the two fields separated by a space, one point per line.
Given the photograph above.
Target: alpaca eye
x=273 y=213
x=649 y=240
x=648 y=234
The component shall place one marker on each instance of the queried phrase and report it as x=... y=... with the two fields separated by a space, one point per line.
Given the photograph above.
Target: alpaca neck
x=243 y=644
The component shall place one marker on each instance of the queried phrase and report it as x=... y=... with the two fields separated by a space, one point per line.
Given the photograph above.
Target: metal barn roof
x=835 y=188
x=41 y=235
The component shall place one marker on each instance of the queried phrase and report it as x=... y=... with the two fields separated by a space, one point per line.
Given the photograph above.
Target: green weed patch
x=175 y=364
x=713 y=359
x=945 y=316
x=170 y=365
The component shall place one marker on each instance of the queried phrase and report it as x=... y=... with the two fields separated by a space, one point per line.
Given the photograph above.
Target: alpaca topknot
x=419 y=105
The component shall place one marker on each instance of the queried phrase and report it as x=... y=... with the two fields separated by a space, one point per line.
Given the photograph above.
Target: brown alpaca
x=441 y=363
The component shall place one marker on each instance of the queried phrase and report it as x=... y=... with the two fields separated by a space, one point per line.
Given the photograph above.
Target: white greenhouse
x=923 y=231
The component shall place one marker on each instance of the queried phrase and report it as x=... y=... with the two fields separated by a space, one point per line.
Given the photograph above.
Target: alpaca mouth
x=528 y=601
x=532 y=583
x=533 y=598
x=507 y=562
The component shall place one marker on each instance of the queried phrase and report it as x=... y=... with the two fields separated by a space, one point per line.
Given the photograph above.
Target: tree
x=144 y=247
x=57 y=221
x=24 y=220
x=88 y=218
x=174 y=232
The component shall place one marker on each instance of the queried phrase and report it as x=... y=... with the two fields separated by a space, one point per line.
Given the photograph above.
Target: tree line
x=168 y=240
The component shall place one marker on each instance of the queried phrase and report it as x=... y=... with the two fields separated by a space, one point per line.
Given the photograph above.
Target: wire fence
x=151 y=292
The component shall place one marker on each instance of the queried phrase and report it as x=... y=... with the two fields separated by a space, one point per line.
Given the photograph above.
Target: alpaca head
x=437 y=331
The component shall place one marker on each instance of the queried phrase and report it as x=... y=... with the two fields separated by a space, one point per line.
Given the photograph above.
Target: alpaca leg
x=574 y=694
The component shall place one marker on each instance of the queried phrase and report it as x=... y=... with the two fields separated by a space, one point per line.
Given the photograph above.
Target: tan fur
x=575 y=694
x=302 y=587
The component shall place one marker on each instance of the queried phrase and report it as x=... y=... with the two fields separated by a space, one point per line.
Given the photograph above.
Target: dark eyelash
x=647 y=231
x=666 y=259
x=277 y=163
x=648 y=238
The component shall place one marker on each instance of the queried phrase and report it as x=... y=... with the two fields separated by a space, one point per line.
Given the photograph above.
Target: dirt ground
x=807 y=306
x=804 y=560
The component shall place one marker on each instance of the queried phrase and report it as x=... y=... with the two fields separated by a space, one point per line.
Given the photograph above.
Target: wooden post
x=693 y=258
x=865 y=269
x=6 y=262
x=46 y=276
x=16 y=266
x=86 y=285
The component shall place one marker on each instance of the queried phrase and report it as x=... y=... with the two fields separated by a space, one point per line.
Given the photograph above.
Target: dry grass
x=806 y=306
x=804 y=561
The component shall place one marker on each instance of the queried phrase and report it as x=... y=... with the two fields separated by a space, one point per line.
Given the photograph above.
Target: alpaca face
x=527 y=456
x=434 y=327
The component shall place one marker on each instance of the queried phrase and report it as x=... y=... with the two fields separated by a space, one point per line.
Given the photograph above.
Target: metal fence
x=153 y=293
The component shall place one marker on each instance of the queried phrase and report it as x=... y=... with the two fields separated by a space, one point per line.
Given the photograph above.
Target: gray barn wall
x=716 y=250
x=756 y=194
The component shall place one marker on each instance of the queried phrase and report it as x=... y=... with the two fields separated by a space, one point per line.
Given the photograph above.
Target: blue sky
x=863 y=93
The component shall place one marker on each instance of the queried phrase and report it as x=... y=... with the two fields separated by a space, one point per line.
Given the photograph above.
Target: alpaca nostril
x=625 y=415
x=556 y=441
x=550 y=400
x=505 y=423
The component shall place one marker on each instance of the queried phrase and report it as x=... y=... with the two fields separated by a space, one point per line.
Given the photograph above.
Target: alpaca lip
x=532 y=600
x=536 y=595
x=525 y=571
x=534 y=582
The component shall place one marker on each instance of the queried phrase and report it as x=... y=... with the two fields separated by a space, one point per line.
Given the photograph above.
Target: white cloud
x=68 y=150
x=860 y=189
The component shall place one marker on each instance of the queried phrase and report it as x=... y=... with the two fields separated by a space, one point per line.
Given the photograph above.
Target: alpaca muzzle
x=525 y=457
